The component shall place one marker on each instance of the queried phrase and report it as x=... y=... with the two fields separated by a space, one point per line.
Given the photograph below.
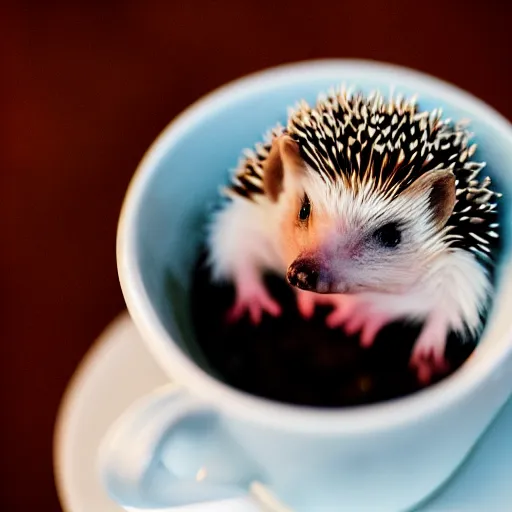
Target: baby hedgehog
x=371 y=206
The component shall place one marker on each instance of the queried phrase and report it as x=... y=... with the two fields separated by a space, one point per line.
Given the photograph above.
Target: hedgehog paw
x=427 y=356
x=368 y=323
x=342 y=306
x=350 y=312
x=307 y=301
x=359 y=317
x=255 y=300
x=345 y=307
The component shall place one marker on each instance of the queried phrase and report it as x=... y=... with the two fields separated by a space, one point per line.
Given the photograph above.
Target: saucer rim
x=68 y=404
x=118 y=336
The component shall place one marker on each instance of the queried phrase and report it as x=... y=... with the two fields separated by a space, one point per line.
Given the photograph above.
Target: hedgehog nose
x=303 y=274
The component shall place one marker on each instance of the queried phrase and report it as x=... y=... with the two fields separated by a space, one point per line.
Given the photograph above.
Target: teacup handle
x=169 y=450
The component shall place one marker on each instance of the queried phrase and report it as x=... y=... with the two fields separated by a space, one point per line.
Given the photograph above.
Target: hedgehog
x=373 y=207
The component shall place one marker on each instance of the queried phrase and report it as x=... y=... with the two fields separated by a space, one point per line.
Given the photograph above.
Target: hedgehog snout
x=307 y=274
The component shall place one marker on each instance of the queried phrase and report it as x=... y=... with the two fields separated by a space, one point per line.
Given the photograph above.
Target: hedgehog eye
x=388 y=235
x=305 y=209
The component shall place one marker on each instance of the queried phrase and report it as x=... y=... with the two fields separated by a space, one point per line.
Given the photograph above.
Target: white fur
x=243 y=244
x=242 y=241
x=421 y=279
x=451 y=293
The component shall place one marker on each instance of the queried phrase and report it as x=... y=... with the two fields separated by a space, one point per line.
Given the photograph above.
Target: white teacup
x=202 y=440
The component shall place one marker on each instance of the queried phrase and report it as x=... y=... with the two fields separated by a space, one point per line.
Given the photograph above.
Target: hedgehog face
x=340 y=245
x=337 y=240
x=350 y=236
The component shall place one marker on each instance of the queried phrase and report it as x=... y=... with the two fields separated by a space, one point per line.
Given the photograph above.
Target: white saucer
x=118 y=370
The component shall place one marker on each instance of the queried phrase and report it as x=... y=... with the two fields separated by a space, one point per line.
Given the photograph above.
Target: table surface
x=85 y=88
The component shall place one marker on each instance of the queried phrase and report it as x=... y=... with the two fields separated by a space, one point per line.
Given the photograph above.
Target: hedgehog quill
x=373 y=207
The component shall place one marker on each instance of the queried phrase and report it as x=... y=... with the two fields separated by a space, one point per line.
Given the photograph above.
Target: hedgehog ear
x=440 y=186
x=284 y=157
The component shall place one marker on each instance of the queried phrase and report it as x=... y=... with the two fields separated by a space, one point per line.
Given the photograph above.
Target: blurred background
x=85 y=88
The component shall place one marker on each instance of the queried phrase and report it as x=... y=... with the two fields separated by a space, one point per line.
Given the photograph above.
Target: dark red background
x=85 y=87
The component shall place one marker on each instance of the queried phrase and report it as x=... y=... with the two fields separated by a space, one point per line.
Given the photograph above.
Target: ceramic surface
x=119 y=370
x=219 y=441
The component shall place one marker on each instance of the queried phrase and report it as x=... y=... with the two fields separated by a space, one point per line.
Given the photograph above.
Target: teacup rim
x=234 y=402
